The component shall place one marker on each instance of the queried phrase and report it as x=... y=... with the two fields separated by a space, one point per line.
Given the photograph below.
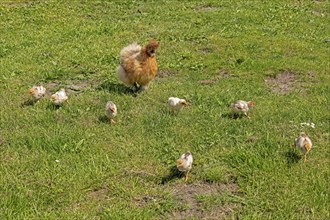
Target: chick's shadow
x=291 y=157
x=103 y=119
x=231 y=116
x=28 y=102
x=174 y=174
x=53 y=107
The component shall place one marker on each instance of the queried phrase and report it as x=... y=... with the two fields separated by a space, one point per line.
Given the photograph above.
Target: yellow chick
x=184 y=163
x=111 y=111
x=59 y=97
x=37 y=92
x=304 y=143
x=176 y=104
x=241 y=106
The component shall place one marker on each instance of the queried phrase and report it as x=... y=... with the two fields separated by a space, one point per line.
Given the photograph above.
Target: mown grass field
x=69 y=163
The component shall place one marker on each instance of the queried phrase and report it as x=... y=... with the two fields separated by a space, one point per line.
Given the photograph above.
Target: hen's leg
x=135 y=86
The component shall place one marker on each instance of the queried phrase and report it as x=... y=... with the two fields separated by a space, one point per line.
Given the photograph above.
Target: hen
x=138 y=65
x=304 y=143
x=37 y=92
x=111 y=110
x=241 y=106
x=184 y=163
x=176 y=104
x=59 y=97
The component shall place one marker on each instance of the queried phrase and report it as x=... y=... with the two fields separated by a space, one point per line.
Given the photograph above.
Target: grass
x=67 y=163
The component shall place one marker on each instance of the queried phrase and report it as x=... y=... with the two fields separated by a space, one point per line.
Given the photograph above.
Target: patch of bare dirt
x=216 y=78
x=98 y=194
x=72 y=86
x=187 y=197
x=77 y=86
x=205 y=50
x=166 y=73
x=51 y=86
x=251 y=139
x=144 y=200
x=1 y=140
x=207 y=8
x=283 y=82
x=12 y=4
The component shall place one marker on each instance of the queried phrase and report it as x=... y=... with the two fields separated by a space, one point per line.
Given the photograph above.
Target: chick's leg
x=186 y=176
x=304 y=157
x=112 y=121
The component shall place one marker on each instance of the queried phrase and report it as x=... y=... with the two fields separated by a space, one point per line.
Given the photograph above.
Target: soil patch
x=187 y=196
x=144 y=200
x=72 y=86
x=190 y=200
x=16 y=3
x=282 y=83
x=166 y=73
x=207 y=8
x=77 y=86
x=98 y=194
x=205 y=50
x=222 y=74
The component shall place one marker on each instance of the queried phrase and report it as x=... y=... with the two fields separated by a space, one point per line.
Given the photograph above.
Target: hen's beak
x=152 y=53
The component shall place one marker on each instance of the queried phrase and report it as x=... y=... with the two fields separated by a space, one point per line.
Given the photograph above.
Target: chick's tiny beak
x=31 y=91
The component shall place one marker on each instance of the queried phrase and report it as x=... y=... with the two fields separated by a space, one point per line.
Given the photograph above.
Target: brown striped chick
x=241 y=106
x=111 y=111
x=59 y=97
x=184 y=164
x=37 y=92
x=176 y=104
x=304 y=143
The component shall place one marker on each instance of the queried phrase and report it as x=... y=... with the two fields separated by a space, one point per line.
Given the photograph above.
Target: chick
x=59 y=97
x=176 y=104
x=37 y=92
x=304 y=143
x=111 y=110
x=241 y=106
x=184 y=163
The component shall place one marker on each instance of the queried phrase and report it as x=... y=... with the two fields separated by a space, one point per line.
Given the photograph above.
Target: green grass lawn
x=69 y=163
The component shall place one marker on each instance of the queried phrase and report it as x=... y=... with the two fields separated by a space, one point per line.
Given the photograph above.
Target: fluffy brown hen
x=138 y=65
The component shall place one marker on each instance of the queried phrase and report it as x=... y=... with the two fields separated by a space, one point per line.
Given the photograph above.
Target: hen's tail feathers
x=121 y=74
x=129 y=51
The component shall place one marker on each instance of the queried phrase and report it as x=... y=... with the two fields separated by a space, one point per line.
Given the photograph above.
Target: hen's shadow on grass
x=116 y=87
x=174 y=174
x=292 y=157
